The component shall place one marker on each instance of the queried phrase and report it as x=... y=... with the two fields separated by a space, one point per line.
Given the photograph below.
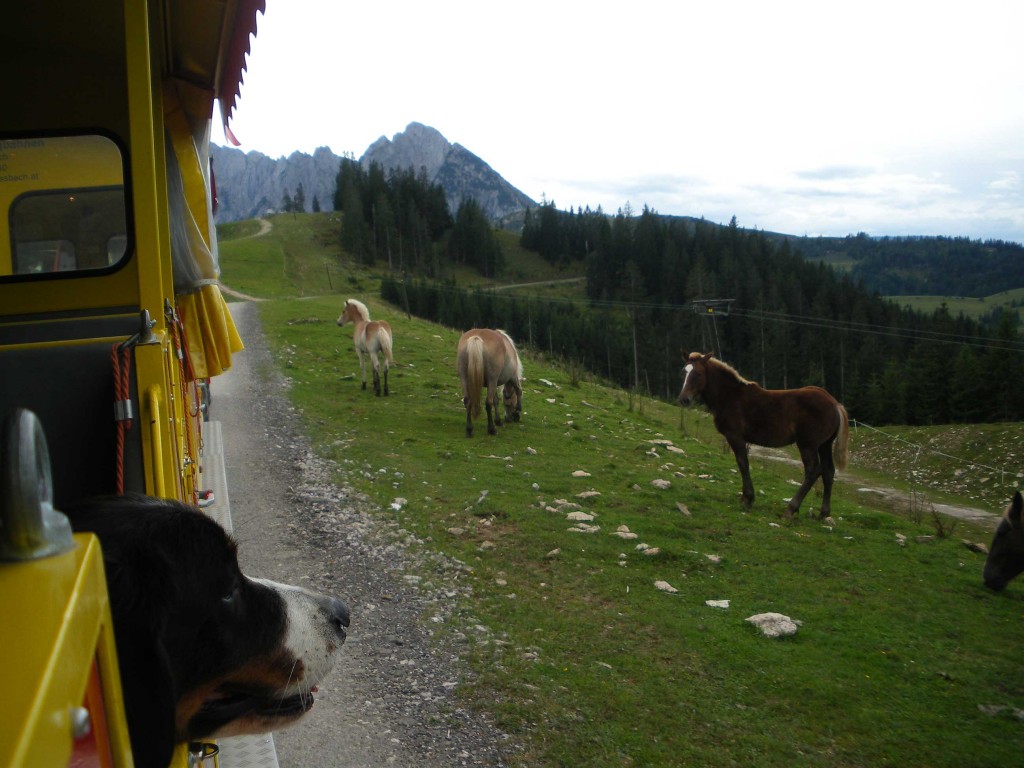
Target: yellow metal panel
x=47 y=660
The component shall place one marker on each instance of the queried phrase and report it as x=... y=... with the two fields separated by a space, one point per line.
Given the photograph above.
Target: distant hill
x=921 y=266
x=250 y=184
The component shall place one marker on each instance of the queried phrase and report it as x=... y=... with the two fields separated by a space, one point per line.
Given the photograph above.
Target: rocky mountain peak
x=252 y=184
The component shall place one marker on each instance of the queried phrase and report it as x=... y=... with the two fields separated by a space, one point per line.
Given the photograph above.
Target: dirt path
x=393 y=699
x=892 y=498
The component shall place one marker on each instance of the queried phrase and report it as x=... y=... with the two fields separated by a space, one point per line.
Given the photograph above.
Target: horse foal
x=371 y=337
x=746 y=413
x=488 y=358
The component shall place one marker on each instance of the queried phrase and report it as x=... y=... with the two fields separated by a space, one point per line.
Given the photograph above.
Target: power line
x=849 y=326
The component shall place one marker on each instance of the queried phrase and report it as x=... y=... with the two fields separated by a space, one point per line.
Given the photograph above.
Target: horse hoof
x=364 y=385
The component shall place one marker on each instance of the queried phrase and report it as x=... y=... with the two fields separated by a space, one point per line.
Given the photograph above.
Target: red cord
x=122 y=406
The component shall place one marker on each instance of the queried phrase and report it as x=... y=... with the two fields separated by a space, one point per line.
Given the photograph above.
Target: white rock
x=663 y=485
x=683 y=508
x=580 y=473
x=774 y=624
x=664 y=586
x=718 y=604
x=553 y=553
x=587 y=494
x=531 y=451
x=623 y=532
x=579 y=516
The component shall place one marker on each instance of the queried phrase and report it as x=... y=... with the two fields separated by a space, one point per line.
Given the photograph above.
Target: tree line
x=922 y=266
x=787 y=322
x=402 y=218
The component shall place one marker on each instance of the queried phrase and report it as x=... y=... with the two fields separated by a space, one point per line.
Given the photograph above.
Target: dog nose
x=338 y=614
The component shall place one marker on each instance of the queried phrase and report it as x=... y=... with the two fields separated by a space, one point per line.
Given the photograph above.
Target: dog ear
x=137 y=593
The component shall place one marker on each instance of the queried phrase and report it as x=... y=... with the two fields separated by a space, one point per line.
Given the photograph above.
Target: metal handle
x=30 y=528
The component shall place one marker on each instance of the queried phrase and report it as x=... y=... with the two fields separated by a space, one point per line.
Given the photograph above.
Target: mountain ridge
x=252 y=184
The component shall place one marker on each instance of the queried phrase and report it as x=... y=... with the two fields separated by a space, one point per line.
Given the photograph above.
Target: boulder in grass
x=774 y=624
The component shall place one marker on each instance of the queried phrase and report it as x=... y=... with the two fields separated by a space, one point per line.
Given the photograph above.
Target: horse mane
x=361 y=308
x=519 y=360
x=722 y=366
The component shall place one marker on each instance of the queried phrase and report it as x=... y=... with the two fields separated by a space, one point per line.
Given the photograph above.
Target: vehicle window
x=66 y=208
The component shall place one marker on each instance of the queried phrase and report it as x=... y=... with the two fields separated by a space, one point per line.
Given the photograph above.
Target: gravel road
x=393 y=698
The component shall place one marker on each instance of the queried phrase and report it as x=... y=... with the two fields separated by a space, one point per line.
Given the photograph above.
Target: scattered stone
x=829 y=522
x=714 y=558
x=660 y=484
x=531 y=451
x=580 y=516
x=718 y=604
x=580 y=473
x=996 y=710
x=535 y=486
x=584 y=528
x=547 y=383
x=924 y=539
x=976 y=547
x=901 y=539
x=683 y=508
x=651 y=551
x=553 y=553
x=674 y=449
x=623 y=532
x=456 y=531
x=398 y=503
x=587 y=494
x=664 y=586
x=487 y=545
x=774 y=624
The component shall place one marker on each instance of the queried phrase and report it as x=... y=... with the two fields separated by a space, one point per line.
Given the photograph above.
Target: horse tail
x=384 y=335
x=474 y=373
x=839 y=448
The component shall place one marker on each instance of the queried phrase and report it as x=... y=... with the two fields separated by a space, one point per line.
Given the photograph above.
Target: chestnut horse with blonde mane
x=371 y=337
x=488 y=358
x=746 y=413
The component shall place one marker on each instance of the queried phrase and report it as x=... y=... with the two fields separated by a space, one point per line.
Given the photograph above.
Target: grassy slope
x=582 y=657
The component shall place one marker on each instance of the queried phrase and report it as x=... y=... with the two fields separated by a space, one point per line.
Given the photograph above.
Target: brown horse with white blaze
x=371 y=337
x=488 y=358
x=746 y=413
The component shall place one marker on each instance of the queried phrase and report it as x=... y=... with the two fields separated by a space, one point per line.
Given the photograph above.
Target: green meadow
x=902 y=657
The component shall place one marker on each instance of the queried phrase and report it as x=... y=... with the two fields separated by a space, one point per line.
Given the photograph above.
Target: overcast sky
x=819 y=117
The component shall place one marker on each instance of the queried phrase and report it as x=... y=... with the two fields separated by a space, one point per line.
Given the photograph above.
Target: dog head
x=203 y=650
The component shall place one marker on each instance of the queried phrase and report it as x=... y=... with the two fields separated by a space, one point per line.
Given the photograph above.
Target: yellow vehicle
x=111 y=323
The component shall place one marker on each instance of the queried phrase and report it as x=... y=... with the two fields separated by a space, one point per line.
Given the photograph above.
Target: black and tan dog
x=203 y=650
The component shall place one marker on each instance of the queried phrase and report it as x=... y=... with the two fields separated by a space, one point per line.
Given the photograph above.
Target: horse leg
x=469 y=417
x=362 y=368
x=828 y=473
x=385 y=378
x=741 y=451
x=375 y=365
x=492 y=407
x=812 y=469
